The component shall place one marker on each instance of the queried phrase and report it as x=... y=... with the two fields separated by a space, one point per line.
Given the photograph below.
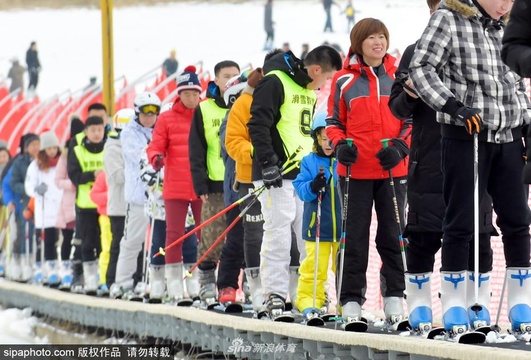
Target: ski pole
x=476 y=219
x=43 y=239
x=223 y=235
x=385 y=143
x=289 y=165
x=495 y=327
x=342 y=242
x=317 y=239
x=148 y=259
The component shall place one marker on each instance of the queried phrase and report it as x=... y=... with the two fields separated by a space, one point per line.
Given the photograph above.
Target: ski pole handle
x=385 y=143
x=350 y=141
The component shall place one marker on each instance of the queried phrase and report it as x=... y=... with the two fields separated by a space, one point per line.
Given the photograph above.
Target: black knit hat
x=29 y=138
x=76 y=126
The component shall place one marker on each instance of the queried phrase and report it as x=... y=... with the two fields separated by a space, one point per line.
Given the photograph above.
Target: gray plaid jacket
x=459 y=55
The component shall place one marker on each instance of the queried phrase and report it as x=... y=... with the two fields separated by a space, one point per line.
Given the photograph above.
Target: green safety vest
x=89 y=162
x=296 y=114
x=212 y=117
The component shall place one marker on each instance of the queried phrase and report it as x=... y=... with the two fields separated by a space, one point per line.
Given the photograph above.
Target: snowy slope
x=69 y=41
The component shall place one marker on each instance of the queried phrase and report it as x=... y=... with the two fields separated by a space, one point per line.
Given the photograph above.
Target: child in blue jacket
x=318 y=173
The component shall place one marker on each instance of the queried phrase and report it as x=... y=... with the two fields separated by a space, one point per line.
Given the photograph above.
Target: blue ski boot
x=418 y=299
x=453 y=301
x=519 y=299
x=478 y=314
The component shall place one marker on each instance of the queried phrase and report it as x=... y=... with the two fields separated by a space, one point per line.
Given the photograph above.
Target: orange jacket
x=237 y=140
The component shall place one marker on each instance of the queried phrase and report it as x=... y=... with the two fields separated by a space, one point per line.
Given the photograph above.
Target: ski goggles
x=149 y=109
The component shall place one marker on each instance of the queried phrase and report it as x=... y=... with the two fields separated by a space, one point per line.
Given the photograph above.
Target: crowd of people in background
x=289 y=189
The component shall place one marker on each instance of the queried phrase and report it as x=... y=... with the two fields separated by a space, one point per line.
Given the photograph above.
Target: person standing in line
x=113 y=163
x=170 y=65
x=208 y=170
x=425 y=198
x=34 y=66
x=169 y=149
x=369 y=70
x=516 y=51
x=478 y=98
x=84 y=164
x=318 y=177
x=134 y=138
x=66 y=216
x=280 y=128
x=269 y=25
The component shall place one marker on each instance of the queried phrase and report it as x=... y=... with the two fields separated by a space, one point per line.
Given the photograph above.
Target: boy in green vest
x=84 y=164
x=208 y=171
x=280 y=128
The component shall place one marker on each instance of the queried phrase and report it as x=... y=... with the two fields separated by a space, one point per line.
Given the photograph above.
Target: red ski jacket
x=358 y=109
x=170 y=138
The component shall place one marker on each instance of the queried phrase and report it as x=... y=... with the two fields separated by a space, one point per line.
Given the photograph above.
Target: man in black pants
x=34 y=66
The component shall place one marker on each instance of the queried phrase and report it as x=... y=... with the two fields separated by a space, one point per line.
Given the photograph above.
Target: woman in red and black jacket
x=358 y=109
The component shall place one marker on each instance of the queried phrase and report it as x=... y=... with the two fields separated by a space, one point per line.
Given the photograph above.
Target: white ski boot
x=519 y=299
x=255 y=288
x=15 y=268
x=175 y=283
x=39 y=276
x=275 y=305
x=66 y=275
x=118 y=290
x=478 y=314
x=418 y=299
x=453 y=301
x=393 y=309
x=157 y=285
x=52 y=273
x=90 y=272
x=192 y=282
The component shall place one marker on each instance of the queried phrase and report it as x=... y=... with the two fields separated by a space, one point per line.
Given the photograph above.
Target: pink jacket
x=98 y=193
x=67 y=210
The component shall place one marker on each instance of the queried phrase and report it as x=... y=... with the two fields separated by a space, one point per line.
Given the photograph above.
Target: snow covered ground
x=16 y=327
x=69 y=41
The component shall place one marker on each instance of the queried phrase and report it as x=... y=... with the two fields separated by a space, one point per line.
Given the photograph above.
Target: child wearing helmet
x=317 y=179
x=134 y=138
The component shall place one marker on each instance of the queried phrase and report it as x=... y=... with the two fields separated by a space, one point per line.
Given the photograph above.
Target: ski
x=470 y=337
x=230 y=307
x=313 y=319
x=403 y=326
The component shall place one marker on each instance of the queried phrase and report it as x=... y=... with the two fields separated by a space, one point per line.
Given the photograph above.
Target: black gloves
x=158 y=163
x=271 y=174
x=390 y=156
x=318 y=183
x=467 y=115
x=346 y=155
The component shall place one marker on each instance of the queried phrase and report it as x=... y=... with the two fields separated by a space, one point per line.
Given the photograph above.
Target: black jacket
x=425 y=178
x=32 y=60
x=516 y=51
x=197 y=145
x=265 y=112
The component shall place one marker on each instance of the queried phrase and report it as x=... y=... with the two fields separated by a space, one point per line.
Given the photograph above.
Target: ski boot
x=453 y=301
x=478 y=314
x=175 y=284
x=227 y=295
x=27 y=267
x=66 y=275
x=352 y=319
x=53 y=278
x=90 y=271
x=293 y=285
x=393 y=309
x=192 y=283
x=2 y=263
x=157 y=283
x=519 y=299
x=78 y=278
x=207 y=280
x=38 y=273
x=274 y=306
x=15 y=268
x=312 y=317
x=119 y=290
x=255 y=288
x=418 y=299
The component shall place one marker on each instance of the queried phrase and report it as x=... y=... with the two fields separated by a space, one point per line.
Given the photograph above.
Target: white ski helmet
x=122 y=118
x=233 y=88
x=147 y=102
